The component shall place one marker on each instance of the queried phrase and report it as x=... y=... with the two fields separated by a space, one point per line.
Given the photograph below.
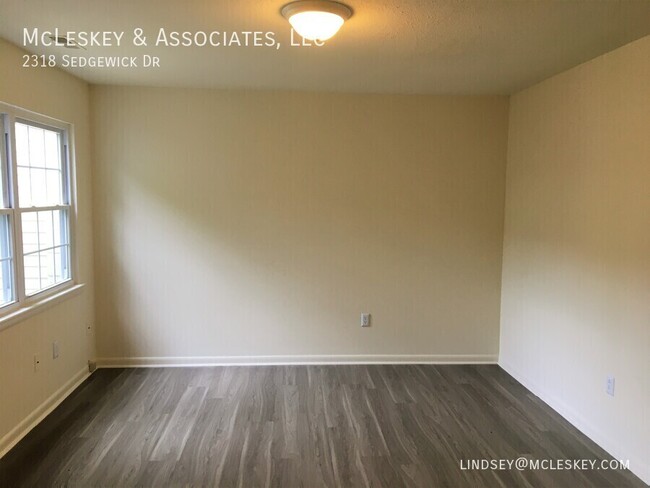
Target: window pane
x=45 y=230
x=6 y=281
x=5 y=237
x=36 y=138
x=30 y=232
x=53 y=187
x=38 y=187
x=25 y=186
x=46 y=249
x=40 y=166
x=46 y=268
x=61 y=263
x=32 y=274
x=6 y=262
x=52 y=150
x=22 y=145
x=60 y=227
x=46 y=263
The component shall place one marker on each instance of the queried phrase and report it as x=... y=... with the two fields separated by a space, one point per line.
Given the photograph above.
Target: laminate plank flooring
x=301 y=426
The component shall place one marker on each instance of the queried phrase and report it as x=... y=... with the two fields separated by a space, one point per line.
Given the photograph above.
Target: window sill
x=38 y=307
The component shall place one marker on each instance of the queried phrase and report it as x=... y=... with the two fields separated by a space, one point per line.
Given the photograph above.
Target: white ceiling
x=399 y=46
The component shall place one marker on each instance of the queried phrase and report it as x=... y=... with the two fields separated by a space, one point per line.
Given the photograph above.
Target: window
x=35 y=207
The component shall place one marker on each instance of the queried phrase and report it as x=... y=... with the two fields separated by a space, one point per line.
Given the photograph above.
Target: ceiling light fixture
x=316 y=20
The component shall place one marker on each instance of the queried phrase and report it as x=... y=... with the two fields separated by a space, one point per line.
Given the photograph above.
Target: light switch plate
x=365 y=320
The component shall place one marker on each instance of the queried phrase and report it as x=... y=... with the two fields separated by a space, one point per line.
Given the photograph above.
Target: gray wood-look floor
x=305 y=426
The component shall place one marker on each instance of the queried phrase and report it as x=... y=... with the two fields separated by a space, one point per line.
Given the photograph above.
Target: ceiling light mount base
x=328 y=6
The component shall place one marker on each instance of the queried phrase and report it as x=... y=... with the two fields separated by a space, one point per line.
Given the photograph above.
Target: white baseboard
x=43 y=410
x=639 y=467
x=170 y=361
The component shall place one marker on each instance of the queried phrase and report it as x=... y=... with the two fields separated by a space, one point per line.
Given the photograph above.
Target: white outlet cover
x=365 y=320
x=610 y=385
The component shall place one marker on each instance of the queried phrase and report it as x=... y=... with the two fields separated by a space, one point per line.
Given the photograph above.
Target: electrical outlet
x=55 y=349
x=365 y=320
x=609 y=387
x=37 y=362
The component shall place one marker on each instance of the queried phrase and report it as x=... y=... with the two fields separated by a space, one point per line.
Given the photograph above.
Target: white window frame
x=9 y=193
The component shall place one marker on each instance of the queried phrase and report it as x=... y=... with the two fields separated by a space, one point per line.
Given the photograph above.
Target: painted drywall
x=576 y=270
x=233 y=223
x=387 y=46
x=56 y=94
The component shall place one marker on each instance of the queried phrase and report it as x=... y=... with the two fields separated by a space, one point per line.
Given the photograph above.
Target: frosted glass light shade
x=316 y=20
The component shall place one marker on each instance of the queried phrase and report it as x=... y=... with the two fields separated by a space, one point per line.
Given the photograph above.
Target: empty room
x=368 y=243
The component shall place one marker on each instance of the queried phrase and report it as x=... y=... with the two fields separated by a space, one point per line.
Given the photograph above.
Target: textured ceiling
x=398 y=46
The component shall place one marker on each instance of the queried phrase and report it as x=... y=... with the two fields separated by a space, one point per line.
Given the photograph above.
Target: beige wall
x=56 y=94
x=576 y=274
x=263 y=224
